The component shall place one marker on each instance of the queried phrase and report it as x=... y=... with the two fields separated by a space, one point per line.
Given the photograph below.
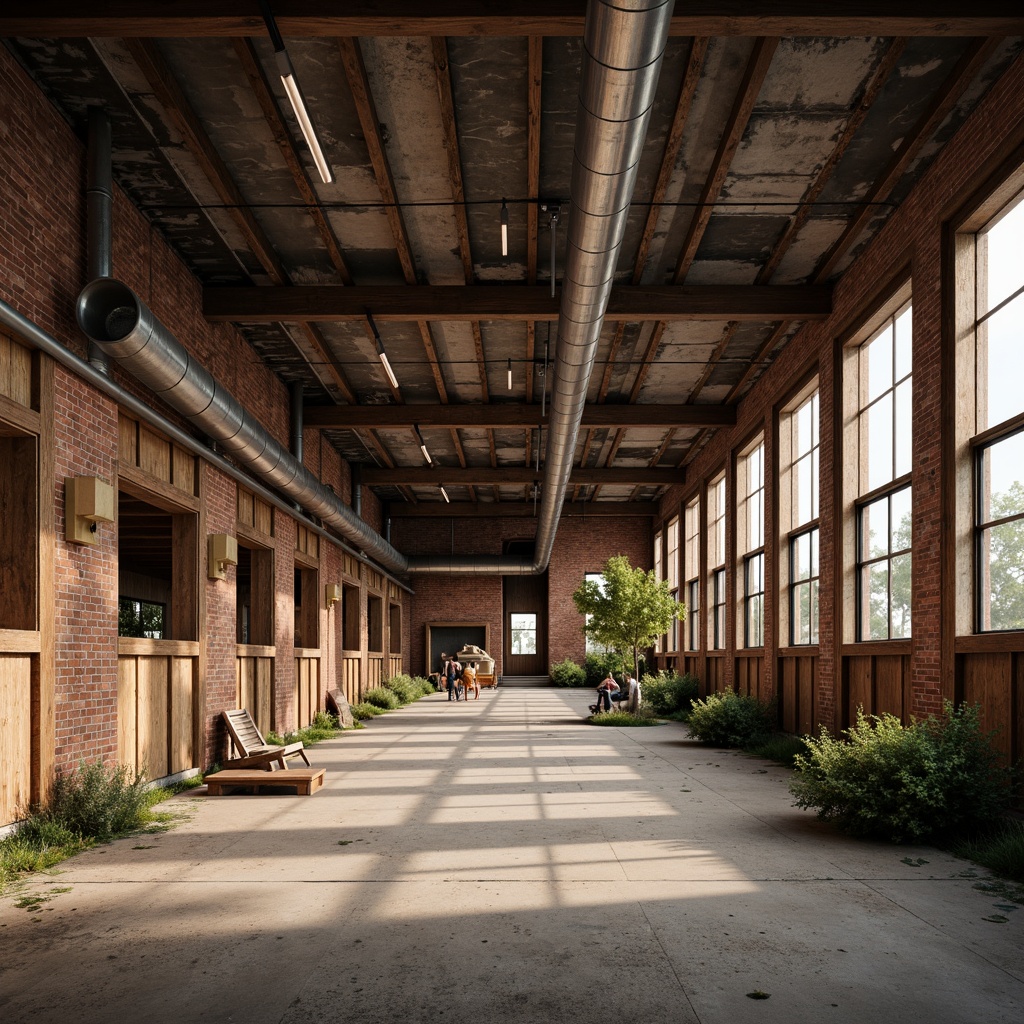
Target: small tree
x=628 y=610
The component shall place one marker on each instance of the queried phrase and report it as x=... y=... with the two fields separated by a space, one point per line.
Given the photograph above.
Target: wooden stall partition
x=254 y=683
x=351 y=665
x=16 y=677
x=374 y=670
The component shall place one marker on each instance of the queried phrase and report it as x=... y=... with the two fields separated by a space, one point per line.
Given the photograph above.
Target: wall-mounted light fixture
x=294 y=93
x=444 y=494
x=221 y=551
x=504 y=228
x=88 y=500
x=332 y=594
x=381 y=354
x=423 y=446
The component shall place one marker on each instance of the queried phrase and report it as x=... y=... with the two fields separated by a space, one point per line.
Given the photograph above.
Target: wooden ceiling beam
x=303 y=19
x=521 y=509
x=458 y=303
x=510 y=415
x=452 y=476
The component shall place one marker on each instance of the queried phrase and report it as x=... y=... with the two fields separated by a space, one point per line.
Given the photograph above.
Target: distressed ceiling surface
x=769 y=161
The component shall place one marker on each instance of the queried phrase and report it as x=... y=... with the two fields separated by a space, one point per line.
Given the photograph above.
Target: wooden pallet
x=305 y=781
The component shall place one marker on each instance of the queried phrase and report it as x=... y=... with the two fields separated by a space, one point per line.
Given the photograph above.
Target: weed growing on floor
x=623 y=718
x=323 y=727
x=1001 y=849
x=363 y=711
x=781 y=747
x=383 y=698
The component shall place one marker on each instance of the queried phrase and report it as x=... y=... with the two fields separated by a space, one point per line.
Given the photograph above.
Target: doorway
x=525 y=619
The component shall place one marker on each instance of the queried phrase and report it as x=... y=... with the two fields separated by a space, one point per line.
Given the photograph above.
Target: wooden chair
x=255 y=752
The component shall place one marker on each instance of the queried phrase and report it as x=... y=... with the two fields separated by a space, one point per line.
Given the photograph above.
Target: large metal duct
x=623 y=46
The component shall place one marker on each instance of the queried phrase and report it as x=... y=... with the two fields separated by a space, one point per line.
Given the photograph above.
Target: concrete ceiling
x=769 y=163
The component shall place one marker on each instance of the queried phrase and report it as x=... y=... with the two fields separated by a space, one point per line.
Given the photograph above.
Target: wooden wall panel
x=15 y=736
x=127 y=440
x=264 y=696
x=374 y=671
x=153 y=717
x=263 y=517
x=993 y=680
x=19 y=533
x=127 y=707
x=154 y=454
x=889 y=674
x=245 y=683
x=184 y=469
x=15 y=371
x=715 y=675
x=394 y=665
x=308 y=698
x=181 y=688
x=748 y=675
x=858 y=688
x=350 y=673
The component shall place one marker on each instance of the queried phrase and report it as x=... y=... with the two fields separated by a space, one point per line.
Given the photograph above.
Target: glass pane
x=814 y=553
x=755 y=575
x=694 y=601
x=904 y=343
x=755 y=621
x=1005 y=257
x=802 y=556
x=755 y=521
x=1002 y=469
x=1005 y=334
x=657 y=555
x=815 y=477
x=874 y=525
x=899 y=521
x=877 y=446
x=814 y=611
x=904 y=429
x=875 y=604
x=524 y=621
x=879 y=363
x=802 y=614
x=803 y=483
x=900 y=589
x=814 y=417
x=1002 y=575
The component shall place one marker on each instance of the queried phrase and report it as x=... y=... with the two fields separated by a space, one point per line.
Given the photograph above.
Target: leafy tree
x=1004 y=563
x=628 y=610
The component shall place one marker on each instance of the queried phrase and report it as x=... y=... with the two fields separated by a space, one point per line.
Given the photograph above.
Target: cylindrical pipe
x=295 y=421
x=99 y=198
x=357 y=490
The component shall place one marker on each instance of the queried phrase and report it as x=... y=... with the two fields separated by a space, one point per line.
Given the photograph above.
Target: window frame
x=715 y=579
x=749 y=555
x=691 y=574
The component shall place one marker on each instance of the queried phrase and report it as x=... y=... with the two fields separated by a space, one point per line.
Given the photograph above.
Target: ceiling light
x=423 y=446
x=295 y=97
x=444 y=494
x=504 y=232
x=510 y=374
x=381 y=354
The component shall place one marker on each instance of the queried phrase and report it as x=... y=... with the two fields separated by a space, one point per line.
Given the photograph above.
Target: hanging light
x=423 y=446
x=381 y=354
x=510 y=374
x=295 y=97
x=504 y=231
x=444 y=494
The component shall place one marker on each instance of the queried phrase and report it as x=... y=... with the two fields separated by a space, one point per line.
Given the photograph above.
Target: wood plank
x=154 y=455
x=127 y=710
x=16 y=673
x=16 y=376
x=20 y=641
x=475 y=302
x=153 y=719
x=264 y=693
x=244 y=507
x=127 y=440
x=320 y=18
x=181 y=686
x=521 y=510
x=244 y=672
x=427 y=476
x=513 y=414
x=140 y=646
x=988 y=680
x=183 y=470
x=263 y=513
x=858 y=688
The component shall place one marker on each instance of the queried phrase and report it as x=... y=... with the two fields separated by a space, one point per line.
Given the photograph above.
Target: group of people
x=458 y=680
x=609 y=691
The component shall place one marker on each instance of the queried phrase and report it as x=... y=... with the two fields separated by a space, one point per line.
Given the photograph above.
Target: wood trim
x=253 y=537
x=306 y=561
x=20 y=416
x=877 y=648
x=810 y=651
x=255 y=651
x=140 y=484
x=20 y=641
x=426 y=476
x=1010 y=642
x=520 y=510
x=306 y=652
x=140 y=646
x=44 y=727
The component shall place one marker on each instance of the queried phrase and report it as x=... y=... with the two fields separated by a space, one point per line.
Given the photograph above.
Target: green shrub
x=669 y=694
x=97 y=801
x=731 y=719
x=402 y=687
x=597 y=667
x=780 y=747
x=935 y=777
x=382 y=697
x=361 y=712
x=1000 y=849
x=568 y=673
x=324 y=720
x=623 y=718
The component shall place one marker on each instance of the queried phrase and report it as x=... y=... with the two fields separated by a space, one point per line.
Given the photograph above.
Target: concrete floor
x=502 y=861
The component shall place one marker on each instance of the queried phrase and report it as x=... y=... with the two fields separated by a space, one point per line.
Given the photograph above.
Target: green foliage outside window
x=140 y=618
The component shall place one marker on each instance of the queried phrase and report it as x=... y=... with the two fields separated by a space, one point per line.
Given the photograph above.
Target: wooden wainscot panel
x=182 y=688
x=374 y=670
x=350 y=674
x=394 y=665
x=891 y=673
x=350 y=565
x=255 y=684
x=858 y=687
x=127 y=707
x=308 y=699
x=748 y=674
x=153 y=718
x=797 y=691
x=127 y=440
x=715 y=673
x=16 y=372
x=994 y=681
x=16 y=673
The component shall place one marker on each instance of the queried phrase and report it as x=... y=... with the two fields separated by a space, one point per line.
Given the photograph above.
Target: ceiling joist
x=450 y=476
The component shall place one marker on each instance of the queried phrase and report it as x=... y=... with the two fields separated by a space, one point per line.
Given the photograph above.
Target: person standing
x=633 y=695
x=451 y=675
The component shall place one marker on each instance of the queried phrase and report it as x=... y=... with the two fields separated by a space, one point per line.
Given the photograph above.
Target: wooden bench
x=305 y=781
x=484 y=681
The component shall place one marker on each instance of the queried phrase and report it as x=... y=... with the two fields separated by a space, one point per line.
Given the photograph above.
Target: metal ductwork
x=99 y=199
x=623 y=46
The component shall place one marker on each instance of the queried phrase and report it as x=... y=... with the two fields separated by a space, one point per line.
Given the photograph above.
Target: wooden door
x=526 y=625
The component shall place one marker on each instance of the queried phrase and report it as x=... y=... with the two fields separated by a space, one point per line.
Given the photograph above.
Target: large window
x=672 y=574
x=524 y=633
x=750 y=534
x=799 y=439
x=883 y=498
x=716 y=564
x=691 y=572
x=592 y=646
x=659 y=642
x=998 y=444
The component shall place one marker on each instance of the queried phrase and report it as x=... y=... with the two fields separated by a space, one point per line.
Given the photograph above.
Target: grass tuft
x=780 y=747
x=1000 y=850
x=623 y=718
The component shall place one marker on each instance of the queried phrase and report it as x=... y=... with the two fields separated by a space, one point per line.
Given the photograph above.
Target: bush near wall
x=937 y=777
x=568 y=673
x=668 y=694
x=732 y=719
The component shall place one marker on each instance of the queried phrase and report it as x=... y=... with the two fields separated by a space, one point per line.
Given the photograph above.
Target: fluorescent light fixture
x=504 y=231
x=295 y=97
x=423 y=446
x=510 y=374
x=381 y=354
x=444 y=494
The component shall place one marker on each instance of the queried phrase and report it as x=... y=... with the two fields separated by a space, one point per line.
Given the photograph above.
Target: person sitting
x=633 y=695
x=605 y=694
x=469 y=681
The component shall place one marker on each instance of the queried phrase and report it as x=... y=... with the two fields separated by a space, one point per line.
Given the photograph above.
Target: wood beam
x=520 y=509
x=510 y=415
x=324 y=18
x=450 y=476
x=458 y=303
